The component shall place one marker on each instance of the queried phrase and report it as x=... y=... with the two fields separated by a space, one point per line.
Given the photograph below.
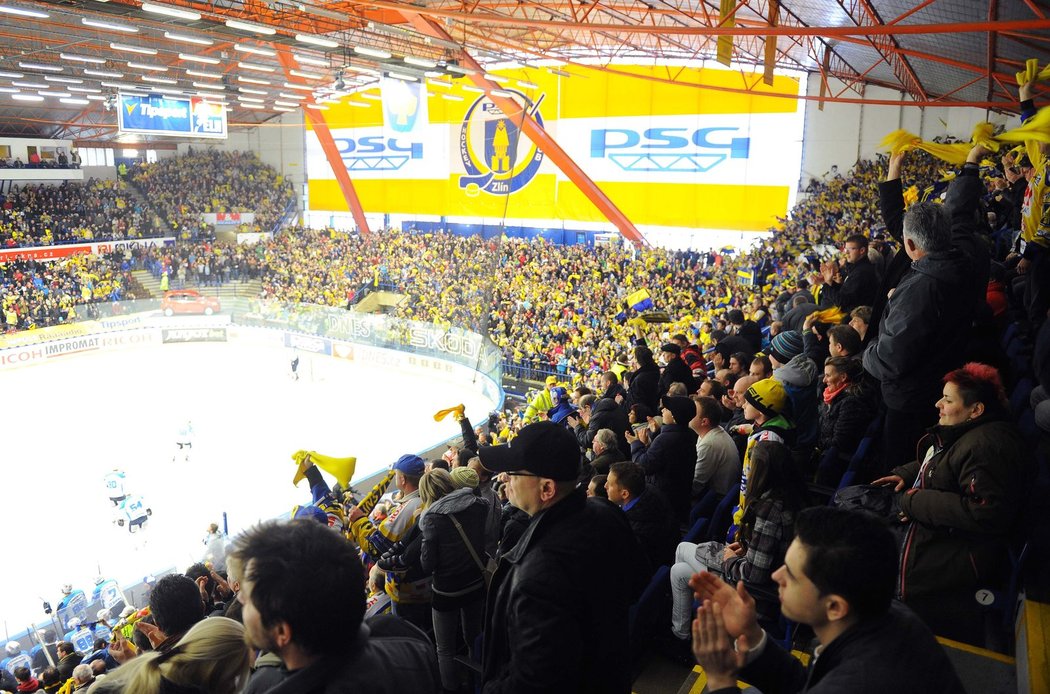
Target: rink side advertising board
x=174 y=116
x=169 y=335
x=713 y=149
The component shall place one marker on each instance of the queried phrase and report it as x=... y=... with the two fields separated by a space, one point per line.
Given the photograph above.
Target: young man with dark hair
x=838 y=577
x=646 y=509
x=303 y=593
x=175 y=605
x=843 y=341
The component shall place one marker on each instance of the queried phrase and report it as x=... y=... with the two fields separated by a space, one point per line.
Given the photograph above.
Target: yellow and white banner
x=666 y=154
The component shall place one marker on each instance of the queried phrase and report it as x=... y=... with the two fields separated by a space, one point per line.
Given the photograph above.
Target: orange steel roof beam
x=331 y=152
x=535 y=132
x=756 y=29
x=864 y=15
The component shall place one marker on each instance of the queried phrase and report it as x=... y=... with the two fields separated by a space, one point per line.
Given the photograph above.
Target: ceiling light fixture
x=452 y=97
x=20 y=12
x=82 y=58
x=205 y=75
x=198 y=59
x=316 y=41
x=402 y=76
x=249 y=27
x=144 y=66
x=171 y=36
x=133 y=49
x=27 y=97
x=420 y=62
x=255 y=66
x=176 y=12
x=298 y=87
x=305 y=74
x=40 y=66
x=306 y=60
x=205 y=85
x=252 y=49
x=64 y=80
x=246 y=90
x=98 y=24
x=75 y=102
x=159 y=80
x=372 y=52
x=104 y=73
x=252 y=80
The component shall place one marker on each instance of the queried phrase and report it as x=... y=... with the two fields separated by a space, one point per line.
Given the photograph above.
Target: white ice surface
x=69 y=421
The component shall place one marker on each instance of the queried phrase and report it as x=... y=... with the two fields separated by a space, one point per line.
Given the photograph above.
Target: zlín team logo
x=498 y=157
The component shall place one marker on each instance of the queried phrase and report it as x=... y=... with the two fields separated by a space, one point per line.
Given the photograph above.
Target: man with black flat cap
x=675 y=370
x=556 y=618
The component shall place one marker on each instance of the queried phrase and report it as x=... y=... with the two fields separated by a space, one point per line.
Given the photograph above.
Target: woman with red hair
x=961 y=500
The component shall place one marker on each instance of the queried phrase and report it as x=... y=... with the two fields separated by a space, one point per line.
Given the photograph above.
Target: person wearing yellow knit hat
x=765 y=405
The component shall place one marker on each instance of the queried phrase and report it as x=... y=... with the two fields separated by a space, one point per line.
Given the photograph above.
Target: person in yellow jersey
x=410 y=593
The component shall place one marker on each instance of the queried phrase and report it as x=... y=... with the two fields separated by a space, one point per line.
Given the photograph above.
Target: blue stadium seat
x=1009 y=334
x=704 y=507
x=650 y=614
x=860 y=456
x=722 y=517
x=1020 y=394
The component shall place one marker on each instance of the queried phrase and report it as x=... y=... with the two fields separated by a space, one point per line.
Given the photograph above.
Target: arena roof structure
x=61 y=62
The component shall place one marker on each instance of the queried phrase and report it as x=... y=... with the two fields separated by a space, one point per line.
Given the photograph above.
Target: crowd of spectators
x=73 y=212
x=37 y=294
x=182 y=188
x=699 y=453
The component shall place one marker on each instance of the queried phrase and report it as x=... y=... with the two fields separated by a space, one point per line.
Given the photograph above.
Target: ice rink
x=70 y=421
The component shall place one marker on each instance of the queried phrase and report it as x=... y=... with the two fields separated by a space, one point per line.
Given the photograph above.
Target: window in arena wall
x=130 y=154
x=151 y=156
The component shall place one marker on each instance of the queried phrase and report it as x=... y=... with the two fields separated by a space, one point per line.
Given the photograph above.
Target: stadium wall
x=841 y=134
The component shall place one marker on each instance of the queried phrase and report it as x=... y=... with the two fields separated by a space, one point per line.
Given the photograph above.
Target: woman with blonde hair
x=212 y=658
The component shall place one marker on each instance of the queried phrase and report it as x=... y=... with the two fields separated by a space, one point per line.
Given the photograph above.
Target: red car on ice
x=188 y=301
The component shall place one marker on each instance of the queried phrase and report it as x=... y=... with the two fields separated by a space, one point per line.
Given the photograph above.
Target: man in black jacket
x=861 y=281
x=675 y=370
x=838 y=577
x=556 y=618
x=596 y=415
x=303 y=593
x=927 y=322
x=647 y=511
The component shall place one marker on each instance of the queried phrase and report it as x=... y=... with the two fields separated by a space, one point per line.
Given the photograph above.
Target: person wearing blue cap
x=410 y=596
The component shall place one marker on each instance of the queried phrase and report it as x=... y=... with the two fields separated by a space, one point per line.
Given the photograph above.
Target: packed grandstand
x=777 y=365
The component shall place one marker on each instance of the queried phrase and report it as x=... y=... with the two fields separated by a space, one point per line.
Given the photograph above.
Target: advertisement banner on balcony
x=711 y=148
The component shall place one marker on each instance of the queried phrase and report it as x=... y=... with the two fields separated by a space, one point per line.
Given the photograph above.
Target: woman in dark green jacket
x=961 y=499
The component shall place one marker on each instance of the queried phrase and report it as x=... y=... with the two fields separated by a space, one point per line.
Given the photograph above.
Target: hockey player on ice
x=108 y=592
x=16 y=657
x=295 y=366
x=73 y=605
x=184 y=440
x=81 y=636
x=115 y=486
x=133 y=513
